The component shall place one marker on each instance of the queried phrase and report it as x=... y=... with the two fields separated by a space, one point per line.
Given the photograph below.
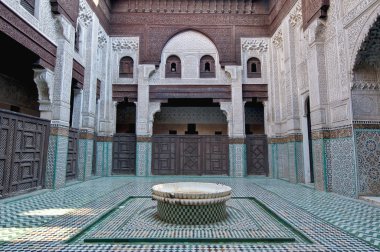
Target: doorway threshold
x=375 y=200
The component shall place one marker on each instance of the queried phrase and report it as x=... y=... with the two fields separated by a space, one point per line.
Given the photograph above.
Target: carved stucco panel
x=122 y=47
x=258 y=48
x=358 y=27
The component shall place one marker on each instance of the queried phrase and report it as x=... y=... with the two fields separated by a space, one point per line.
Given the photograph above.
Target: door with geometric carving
x=72 y=155
x=257 y=155
x=189 y=155
x=215 y=152
x=23 y=151
x=124 y=154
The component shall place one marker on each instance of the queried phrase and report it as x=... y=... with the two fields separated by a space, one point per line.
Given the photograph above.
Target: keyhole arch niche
x=189 y=47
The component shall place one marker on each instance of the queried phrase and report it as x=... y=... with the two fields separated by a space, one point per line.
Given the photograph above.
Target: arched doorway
x=73 y=141
x=256 y=140
x=24 y=135
x=365 y=95
x=124 y=141
x=190 y=137
x=309 y=142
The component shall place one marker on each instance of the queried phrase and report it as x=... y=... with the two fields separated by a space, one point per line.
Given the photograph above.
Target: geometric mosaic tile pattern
x=353 y=216
x=299 y=162
x=289 y=162
x=56 y=220
x=368 y=161
x=137 y=219
x=319 y=164
x=238 y=157
x=143 y=158
x=340 y=166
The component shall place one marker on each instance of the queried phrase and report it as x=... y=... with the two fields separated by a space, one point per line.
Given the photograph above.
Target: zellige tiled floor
x=116 y=214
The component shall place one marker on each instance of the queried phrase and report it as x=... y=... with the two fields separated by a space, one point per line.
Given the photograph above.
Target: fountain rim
x=200 y=190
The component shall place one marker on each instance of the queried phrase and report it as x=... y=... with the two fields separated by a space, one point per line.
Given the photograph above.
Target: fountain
x=191 y=203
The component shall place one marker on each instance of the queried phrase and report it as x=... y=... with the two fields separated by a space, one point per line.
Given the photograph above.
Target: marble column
x=60 y=106
x=236 y=125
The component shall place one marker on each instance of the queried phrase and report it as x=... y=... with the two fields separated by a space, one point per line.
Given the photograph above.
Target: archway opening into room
x=18 y=90
x=365 y=96
x=24 y=135
x=309 y=139
x=124 y=141
x=74 y=122
x=190 y=137
x=256 y=140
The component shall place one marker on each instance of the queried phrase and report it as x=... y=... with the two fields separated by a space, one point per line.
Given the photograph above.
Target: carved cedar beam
x=312 y=9
x=70 y=9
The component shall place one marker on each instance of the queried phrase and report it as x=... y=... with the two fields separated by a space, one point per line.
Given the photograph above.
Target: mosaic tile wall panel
x=143 y=159
x=238 y=160
x=89 y=152
x=292 y=164
x=62 y=144
x=82 y=149
x=100 y=161
x=368 y=161
x=270 y=160
x=109 y=158
x=50 y=164
x=57 y=161
x=299 y=162
x=286 y=161
x=274 y=160
x=283 y=162
x=319 y=162
x=85 y=152
x=340 y=166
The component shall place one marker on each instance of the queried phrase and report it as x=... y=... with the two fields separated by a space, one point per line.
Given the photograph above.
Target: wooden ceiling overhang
x=224 y=22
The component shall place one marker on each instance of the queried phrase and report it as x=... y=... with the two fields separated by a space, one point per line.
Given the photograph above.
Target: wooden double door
x=124 y=154
x=257 y=154
x=23 y=152
x=189 y=155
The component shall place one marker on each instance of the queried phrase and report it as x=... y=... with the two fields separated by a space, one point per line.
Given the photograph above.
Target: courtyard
x=117 y=214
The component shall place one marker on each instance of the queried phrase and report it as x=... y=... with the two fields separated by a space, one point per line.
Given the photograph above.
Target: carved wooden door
x=72 y=155
x=124 y=154
x=190 y=155
x=257 y=155
x=23 y=151
x=164 y=155
x=216 y=155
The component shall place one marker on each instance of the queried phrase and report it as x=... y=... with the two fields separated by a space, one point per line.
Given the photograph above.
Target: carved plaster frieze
x=295 y=17
x=85 y=13
x=254 y=45
x=365 y=85
x=102 y=38
x=277 y=39
x=120 y=44
x=355 y=12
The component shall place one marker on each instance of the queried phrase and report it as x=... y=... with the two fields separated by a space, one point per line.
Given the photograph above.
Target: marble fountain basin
x=191 y=203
